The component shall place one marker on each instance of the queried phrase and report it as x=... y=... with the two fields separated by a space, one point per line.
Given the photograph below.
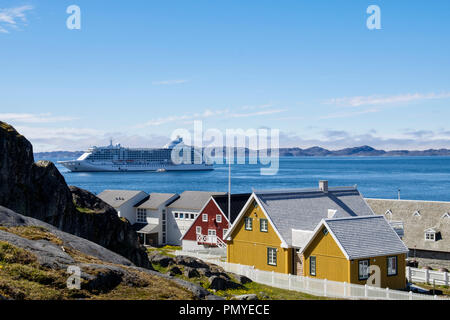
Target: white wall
x=177 y=227
x=127 y=210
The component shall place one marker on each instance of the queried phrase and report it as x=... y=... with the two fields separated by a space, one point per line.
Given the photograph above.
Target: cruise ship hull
x=88 y=166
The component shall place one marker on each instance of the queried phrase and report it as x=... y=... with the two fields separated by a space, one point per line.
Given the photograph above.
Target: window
x=198 y=230
x=363 y=266
x=325 y=231
x=175 y=215
x=141 y=215
x=263 y=225
x=211 y=232
x=218 y=218
x=416 y=213
x=181 y=215
x=272 y=256
x=392 y=266
x=430 y=236
x=224 y=233
x=192 y=216
x=204 y=217
x=248 y=224
x=312 y=266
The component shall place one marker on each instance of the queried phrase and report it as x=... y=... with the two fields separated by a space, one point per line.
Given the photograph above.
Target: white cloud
x=168 y=82
x=385 y=100
x=33 y=118
x=11 y=17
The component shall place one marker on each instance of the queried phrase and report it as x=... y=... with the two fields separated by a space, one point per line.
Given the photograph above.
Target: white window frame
x=175 y=215
x=198 y=230
x=363 y=274
x=248 y=227
x=141 y=215
x=266 y=225
x=430 y=236
x=272 y=256
x=218 y=218
x=205 y=217
x=392 y=268
x=224 y=232
x=212 y=232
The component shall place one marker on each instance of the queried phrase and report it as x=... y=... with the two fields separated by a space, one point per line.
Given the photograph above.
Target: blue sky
x=137 y=70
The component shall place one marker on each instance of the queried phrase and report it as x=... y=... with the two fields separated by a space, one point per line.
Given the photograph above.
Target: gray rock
x=174 y=271
x=191 y=262
x=222 y=283
x=47 y=253
x=241 y=279
x=162 y=260
x=191 y=272
x=251 y=296
x=9 y=218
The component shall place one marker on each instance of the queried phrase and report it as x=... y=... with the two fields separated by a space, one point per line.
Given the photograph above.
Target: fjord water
x=418 y=178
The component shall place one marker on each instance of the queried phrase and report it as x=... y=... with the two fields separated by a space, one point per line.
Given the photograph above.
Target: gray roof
x=431 y=216
x=116 y=198
x=303 y=209
x=193 y=200
x=145 y=228
x=155 y=200
x=362 y=237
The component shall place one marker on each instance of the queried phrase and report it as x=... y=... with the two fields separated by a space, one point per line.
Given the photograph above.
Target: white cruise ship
x=118 y=158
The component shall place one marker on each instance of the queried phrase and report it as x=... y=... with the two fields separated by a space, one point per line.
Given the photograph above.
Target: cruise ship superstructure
x=118 y=158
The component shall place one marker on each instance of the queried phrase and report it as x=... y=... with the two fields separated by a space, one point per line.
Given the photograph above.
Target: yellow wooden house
x=358 y=250
x=273 y=226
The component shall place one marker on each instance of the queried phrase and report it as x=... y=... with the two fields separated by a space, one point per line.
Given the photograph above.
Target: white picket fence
x=317 y=287
x=427 y=276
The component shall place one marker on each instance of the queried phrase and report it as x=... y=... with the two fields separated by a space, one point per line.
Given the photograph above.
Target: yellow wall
x=332 y=264
x=392 y=282
x=250 y=247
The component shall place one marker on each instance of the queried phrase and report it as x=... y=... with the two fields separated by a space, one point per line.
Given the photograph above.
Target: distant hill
x=295 y=152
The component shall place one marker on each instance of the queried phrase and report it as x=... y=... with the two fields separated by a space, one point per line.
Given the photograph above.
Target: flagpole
x=229 y=189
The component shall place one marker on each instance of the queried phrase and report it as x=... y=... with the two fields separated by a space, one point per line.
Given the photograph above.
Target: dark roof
x=237 y=203
x=193 y=200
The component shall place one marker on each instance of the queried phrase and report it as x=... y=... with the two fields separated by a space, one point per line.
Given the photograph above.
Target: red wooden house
x=212 y=222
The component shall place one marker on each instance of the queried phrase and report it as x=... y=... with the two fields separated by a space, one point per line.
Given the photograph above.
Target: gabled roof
x=362 y=237
x=116 y=198
x=237 y=203
x=193 y=200
x=303 y=209
x=154 y=200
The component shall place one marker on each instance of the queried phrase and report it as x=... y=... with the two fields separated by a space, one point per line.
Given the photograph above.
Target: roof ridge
x=305 y=190
x=354 y=217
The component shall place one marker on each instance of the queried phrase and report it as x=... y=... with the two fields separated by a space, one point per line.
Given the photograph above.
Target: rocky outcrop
x=47 y=252
x=39 y=190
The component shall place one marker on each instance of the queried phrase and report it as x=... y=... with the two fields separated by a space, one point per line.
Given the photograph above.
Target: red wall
x=212 y=210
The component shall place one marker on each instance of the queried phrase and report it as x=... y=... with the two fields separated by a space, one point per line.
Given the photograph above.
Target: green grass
x=445 y=289
x=263 y=292
x=166 y=250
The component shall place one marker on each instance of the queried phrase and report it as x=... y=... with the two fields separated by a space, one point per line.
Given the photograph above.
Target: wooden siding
x=250 y=247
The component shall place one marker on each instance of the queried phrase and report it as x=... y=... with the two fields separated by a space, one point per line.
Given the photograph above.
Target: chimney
x=323 y=185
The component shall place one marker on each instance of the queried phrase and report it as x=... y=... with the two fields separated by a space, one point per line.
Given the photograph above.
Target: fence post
x=366 y=291
x=427 y=276
x=409 y=274
x=325 y=287
x=273 y=278
x=410 y=295
x=345 y=289
x=446 y=278
x=387 y=293
x=435 y=297
x=290 y=280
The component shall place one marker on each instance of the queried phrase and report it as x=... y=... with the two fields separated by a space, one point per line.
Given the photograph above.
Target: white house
x=124 y=201
x=151 y=218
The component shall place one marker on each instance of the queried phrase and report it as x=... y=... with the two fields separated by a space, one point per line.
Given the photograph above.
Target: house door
x=212 y=237
x=298 y=262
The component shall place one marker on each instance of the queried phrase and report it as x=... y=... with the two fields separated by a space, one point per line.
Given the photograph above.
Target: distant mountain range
x=296 y=152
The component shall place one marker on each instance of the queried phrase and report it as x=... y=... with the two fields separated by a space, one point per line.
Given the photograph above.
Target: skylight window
x=416 y=213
